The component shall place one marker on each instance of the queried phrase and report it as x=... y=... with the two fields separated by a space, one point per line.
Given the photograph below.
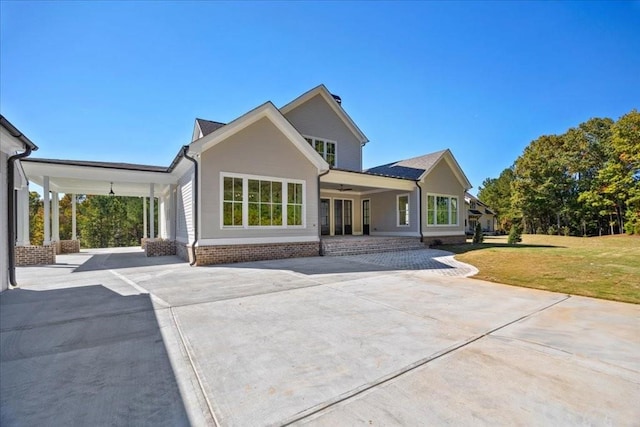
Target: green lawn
x=602 y=267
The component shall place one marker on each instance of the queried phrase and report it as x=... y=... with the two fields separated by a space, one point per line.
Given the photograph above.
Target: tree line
x=584 y=182
x=101 y=221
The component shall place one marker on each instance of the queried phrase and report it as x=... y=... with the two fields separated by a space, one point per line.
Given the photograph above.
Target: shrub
x=566 y=231
x=540 y=230
x=477 y=236
x=552 y=230
x=514 y=235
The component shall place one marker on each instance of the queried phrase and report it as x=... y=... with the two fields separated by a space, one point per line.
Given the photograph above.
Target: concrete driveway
x=114 y=338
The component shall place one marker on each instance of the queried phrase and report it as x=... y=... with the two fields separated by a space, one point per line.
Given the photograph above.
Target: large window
x=442 y=210
x=249 y=201
x=403 y=210
x=327 y=149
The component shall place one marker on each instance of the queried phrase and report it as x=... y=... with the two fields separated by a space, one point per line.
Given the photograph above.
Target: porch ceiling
x=74 y=179
x=362 y=182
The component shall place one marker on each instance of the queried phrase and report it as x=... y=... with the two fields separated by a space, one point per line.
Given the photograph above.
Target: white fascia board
x=365 y=180
x=326 y=95
x=269 y=111
x=37 y=169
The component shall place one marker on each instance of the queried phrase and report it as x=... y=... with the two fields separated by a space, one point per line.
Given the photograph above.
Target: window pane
x=430 y=210
x=277 y=215
x=442 y=207
x=237 y=189
x=237 y=214
x=265 y=214
x=454 y=211
x=254 y=190
x=403 y=210
x=254 y=214
x=291 y=193
x=228 y=213
x=265 y=191
x=276 y=188
x=320 y=147
x=298 y=193
x=228 y=188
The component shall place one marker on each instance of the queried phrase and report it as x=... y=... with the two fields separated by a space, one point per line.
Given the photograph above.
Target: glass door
x=324 y=217
x=366 y=216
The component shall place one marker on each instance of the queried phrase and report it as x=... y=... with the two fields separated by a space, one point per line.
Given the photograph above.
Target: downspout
x=185 y=150
x=420 y=210
x=321 y=251
x=12 y=214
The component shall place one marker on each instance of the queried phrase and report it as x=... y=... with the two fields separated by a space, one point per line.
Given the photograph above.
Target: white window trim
x=325 y=140
x=435 y=211
x=408 y=224
x=245 y=202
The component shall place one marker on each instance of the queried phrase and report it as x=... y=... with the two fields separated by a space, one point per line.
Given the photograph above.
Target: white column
x=144 y=217
x=55 y=218
x=73 y=217
x=22 y=206
x=152 y=232
x=171 y=220
x=47 y=212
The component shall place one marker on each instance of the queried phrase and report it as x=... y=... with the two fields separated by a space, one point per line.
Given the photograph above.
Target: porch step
x=357 y=245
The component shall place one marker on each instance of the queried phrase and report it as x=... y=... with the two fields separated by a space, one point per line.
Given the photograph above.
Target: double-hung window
x=442 y=210
x=252 y=201
x=327 y=149
x=403 y=210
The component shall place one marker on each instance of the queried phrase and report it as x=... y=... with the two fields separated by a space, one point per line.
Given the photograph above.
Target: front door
x=325 y=230
x=348 y=210
x=337 y=217
x=366 y=216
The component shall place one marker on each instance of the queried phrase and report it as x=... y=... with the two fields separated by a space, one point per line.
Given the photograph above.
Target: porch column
x=55 y=218
x=22 y=218
x=73 y=217
x=47 y=212
x=144 y=217
x=171 y=220
x=152 y=232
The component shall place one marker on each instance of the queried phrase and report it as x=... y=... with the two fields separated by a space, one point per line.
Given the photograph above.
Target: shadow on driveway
x=84 y=356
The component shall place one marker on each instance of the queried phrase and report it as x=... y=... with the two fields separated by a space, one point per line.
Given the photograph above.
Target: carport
x=75 y=177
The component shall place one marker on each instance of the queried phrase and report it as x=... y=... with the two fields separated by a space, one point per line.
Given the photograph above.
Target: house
x=14 y=145
x=275 y=181
x=479 y=213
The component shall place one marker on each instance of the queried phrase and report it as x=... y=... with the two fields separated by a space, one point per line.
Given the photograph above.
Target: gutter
x=185 y=150
x=320 y=251
x=420 y=210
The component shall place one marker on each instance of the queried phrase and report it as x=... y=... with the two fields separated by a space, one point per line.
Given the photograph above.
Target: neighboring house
x=274 y=181
x=13 y=146
x=479 y=213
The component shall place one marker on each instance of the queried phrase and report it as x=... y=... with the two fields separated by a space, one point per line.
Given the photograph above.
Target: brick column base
x=35 y=255
x=69 y=246
x=160 y=247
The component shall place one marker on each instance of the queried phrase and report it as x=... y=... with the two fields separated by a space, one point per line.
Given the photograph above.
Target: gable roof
x=269 y=111
x=331 y=101
x=416 y=168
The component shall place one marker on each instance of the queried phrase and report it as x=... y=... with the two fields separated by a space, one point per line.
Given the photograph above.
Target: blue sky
x=124 y=81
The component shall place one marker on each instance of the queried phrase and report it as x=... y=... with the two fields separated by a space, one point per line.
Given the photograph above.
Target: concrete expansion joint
x=194 y=369
x=388 y=378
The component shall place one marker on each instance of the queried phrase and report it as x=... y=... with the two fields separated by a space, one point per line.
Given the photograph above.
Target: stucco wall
x=384 y=217
x=441 y=180
x=316 y=118
x=259 y=150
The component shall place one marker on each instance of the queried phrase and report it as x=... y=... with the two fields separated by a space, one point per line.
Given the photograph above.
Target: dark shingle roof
x=208 y=126
x=475 y=212
x=106 y=165
x=410 y=168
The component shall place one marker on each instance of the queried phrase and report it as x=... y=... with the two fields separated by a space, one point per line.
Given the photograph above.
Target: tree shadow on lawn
x=469 y=247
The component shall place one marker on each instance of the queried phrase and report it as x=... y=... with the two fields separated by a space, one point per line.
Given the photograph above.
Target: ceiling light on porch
x=111 y=193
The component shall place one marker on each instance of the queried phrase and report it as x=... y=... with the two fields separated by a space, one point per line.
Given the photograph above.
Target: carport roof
x=108 y=165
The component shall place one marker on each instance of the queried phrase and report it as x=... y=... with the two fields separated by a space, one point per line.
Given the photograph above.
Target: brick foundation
x=69 y=247
x=444 y=240
x=160 y=247
x=143 y=242
x=35 y=255
x=206 y=255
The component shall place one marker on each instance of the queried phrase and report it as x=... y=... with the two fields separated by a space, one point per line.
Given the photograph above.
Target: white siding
x=184 y=209
x=4 y=229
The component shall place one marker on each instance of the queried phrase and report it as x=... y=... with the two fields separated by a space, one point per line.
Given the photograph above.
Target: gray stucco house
x=274 y=182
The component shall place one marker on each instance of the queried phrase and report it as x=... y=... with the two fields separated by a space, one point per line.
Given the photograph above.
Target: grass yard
x=605 y=267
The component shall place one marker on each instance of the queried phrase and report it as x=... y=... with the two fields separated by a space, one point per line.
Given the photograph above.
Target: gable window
x=252 y=201
x=442 y=210
x=327 y=149
x=403 y=210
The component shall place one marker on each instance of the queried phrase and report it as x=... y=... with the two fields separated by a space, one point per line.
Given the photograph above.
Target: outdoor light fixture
x=111 y=193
